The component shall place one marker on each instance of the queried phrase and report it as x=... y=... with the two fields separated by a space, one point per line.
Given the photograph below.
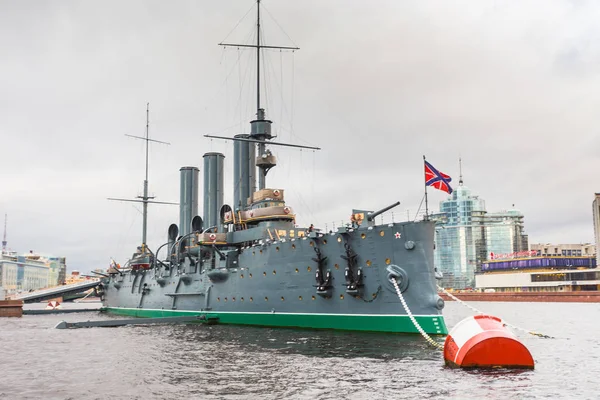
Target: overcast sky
x=511 y=87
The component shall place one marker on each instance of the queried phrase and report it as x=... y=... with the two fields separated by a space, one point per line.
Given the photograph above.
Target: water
x=226 y=362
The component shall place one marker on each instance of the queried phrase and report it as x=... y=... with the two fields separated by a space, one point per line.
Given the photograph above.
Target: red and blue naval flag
x=437 y=179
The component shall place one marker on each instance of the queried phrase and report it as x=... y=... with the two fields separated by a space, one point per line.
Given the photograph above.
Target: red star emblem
x=398 y=235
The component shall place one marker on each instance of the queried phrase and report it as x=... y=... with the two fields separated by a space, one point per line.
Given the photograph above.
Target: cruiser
x=248 y=263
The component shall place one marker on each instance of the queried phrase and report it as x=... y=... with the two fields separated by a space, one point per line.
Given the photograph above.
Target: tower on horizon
x=4 y=238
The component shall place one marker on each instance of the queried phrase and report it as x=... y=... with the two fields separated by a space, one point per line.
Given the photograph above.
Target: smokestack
x=172 y=237
x=244 y=171
x=188 y=198
x=213 y=187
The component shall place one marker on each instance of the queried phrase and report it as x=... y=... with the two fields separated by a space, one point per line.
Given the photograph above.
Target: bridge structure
x=51 y=293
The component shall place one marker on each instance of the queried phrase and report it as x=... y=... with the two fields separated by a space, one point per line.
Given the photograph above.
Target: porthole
x=313 y=297
x=388 y=261
x=241 y=276
x=368 y=263
x=297 y=270
x=264 y=273
x=341 y=297
x=339 y=239
x=312 y=244
x=266 y=298
x=293 y=246
x=282 y=299
x=337 y=266
x=250 y=275
x=274 y=272
x=277 y=248
x=218 y=299
x=308 y=269
x=299 y=297
x=225 y=299
x=381 y=233
x=241 y=299
x=362 y=235
x=251 y=299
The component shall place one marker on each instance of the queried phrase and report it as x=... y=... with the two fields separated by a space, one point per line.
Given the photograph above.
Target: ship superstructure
x=248 y=263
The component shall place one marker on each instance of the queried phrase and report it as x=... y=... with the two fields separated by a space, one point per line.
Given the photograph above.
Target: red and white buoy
x=482 y=341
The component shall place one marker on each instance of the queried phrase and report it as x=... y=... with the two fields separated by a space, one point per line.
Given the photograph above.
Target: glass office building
x=466 y=234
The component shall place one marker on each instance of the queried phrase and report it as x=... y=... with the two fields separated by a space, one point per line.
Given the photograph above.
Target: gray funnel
x=213 y=188
x=244 y=169
x=188 y=198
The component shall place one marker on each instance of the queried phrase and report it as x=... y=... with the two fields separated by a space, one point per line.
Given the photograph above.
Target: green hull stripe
x=433 y=324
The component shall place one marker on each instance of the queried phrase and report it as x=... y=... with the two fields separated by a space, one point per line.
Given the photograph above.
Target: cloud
x=509 y=87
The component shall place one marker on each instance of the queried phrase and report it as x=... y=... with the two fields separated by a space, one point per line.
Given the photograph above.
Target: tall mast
x=257 y=55
x=260 y=127
x=145 y=199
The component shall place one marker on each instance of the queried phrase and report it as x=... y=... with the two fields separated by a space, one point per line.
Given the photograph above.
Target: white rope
x=481 y=312
x=412 y=318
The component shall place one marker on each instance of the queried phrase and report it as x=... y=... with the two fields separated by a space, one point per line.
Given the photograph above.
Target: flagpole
x=426 y=205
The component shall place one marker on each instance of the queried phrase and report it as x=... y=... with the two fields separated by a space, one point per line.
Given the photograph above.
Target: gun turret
x=371 y=217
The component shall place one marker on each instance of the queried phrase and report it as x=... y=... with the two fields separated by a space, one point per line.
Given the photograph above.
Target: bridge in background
x=58 y=291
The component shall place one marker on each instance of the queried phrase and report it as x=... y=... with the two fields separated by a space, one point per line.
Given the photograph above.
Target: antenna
x=145 y=199
x=4 y=240
x=460 y=181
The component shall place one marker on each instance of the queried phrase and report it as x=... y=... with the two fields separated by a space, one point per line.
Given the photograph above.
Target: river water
x=227 y=362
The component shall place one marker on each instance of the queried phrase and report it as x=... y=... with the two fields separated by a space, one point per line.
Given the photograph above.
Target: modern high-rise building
x=596 y=216
x=466 y=235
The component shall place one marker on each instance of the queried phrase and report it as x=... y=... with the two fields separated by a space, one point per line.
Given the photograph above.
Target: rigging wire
x=277 y=23
x=239 y=22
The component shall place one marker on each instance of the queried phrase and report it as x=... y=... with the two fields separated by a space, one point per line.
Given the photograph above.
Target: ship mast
x=260 y=127
x=145 y=199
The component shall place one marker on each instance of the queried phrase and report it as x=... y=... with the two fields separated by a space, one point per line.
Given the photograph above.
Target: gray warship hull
x=273 y=283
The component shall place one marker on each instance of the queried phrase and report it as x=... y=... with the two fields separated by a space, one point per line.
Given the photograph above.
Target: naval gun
x=371 y=216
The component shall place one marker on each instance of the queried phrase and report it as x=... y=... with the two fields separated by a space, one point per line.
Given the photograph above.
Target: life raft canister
x=482 y=341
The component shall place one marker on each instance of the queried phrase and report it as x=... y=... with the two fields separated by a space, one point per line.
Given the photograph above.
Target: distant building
x=577 y=250
x=547 y=273
x=466 y=234
x=596 y=216
x=30 y=271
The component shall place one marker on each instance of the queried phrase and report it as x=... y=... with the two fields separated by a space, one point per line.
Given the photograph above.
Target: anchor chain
x=481 y=312
x=412 y=318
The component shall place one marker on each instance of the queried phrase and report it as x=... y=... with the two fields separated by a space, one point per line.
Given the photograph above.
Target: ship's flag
x=437 y=179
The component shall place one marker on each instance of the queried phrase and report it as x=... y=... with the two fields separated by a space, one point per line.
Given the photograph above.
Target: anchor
x=353 y=274
x=324 y=286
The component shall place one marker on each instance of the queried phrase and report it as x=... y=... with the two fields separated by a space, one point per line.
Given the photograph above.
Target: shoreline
x=550 y=297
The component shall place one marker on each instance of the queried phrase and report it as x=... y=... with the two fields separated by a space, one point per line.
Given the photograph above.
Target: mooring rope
x=481 y=312
x=412 y=318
